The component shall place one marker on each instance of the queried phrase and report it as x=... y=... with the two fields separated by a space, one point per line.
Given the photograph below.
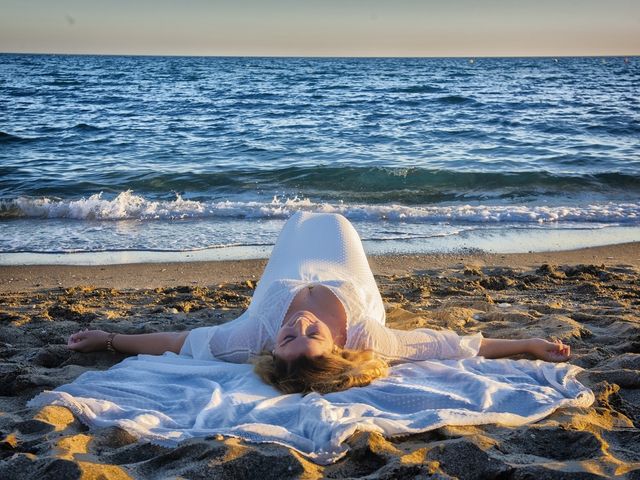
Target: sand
x=588 y=298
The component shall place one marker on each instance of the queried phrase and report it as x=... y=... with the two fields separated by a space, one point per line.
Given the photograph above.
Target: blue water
x=109 y=153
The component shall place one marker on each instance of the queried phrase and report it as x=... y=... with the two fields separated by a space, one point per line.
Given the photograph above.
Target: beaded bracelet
x=110 y=343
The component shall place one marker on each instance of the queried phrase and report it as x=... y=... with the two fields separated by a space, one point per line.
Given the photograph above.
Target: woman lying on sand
x=316 y=320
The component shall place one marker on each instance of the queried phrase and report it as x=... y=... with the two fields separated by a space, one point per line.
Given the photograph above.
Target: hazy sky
x=322 y=27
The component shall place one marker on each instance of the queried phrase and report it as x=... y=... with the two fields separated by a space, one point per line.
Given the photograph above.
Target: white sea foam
x=128 y=205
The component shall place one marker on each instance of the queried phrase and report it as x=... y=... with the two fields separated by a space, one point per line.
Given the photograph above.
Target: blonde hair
x=331 y=372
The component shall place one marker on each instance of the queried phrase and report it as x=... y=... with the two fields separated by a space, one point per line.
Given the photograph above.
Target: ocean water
x=201 y=157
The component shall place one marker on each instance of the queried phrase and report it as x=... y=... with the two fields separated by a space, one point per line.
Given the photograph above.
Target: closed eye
x=289 y=338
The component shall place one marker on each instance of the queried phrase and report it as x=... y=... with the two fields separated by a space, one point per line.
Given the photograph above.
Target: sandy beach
x=589 y=299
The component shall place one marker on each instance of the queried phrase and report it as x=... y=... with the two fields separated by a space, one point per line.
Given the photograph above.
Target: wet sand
x=588 y=298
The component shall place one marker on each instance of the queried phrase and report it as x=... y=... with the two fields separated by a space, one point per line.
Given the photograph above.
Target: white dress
x=325 y=249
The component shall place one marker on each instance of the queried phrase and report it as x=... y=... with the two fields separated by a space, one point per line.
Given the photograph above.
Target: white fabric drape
x=171 y=398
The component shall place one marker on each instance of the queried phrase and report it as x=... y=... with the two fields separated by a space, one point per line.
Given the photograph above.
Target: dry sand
x=588 y=298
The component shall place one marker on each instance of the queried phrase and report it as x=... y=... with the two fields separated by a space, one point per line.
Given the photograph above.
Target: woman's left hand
x=548 y=351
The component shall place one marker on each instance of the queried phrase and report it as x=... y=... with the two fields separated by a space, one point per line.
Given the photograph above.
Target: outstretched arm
x=542 y=349
x=150 y=343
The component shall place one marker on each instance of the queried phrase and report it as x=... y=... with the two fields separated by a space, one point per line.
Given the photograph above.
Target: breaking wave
x=128 y=205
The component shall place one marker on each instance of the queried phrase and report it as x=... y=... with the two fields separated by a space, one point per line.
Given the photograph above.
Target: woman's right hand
x=88 y=341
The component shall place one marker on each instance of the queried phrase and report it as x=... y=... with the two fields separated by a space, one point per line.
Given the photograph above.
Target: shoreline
x=485 y=240
x=167 y=274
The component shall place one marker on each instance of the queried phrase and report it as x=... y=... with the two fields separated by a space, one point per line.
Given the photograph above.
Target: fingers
x=557 y=351
x=74 y=344
x=565 y=349
x=77 y=338
x=562 y=349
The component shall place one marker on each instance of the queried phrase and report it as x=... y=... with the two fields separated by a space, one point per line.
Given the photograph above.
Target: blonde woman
x=316 y=321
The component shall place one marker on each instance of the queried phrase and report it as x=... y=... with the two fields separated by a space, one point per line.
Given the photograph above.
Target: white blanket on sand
x=170 y=398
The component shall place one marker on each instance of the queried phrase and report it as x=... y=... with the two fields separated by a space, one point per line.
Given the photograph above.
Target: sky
x=417 y=28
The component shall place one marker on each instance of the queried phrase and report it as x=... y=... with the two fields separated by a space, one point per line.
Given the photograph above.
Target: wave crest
x=128 y=206
x=9 y=138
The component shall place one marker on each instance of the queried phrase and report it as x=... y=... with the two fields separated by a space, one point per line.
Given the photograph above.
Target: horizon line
x=608 y=55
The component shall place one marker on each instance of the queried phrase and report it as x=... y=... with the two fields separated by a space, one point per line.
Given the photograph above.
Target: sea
x=116 y=159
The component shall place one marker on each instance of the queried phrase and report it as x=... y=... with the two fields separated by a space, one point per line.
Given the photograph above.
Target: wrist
x=109 y=343
x=528 y=345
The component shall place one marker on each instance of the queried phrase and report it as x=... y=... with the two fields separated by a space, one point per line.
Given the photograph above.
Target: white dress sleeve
x=248 y=335
x=196 y=344
x=236 y=341
x=397 y=346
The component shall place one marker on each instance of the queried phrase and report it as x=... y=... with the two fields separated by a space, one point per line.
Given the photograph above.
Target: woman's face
x=303 y=333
